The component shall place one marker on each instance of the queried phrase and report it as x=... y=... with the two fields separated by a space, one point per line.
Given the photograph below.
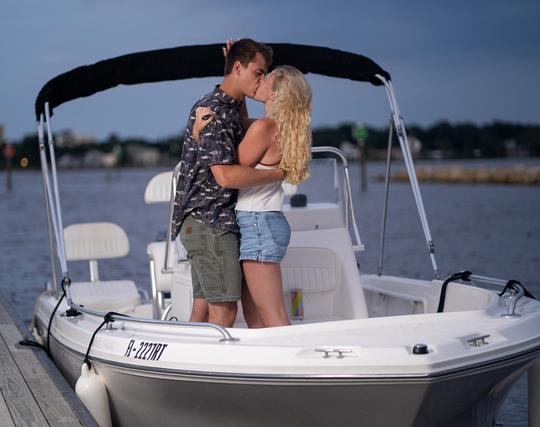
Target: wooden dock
x=32 y=390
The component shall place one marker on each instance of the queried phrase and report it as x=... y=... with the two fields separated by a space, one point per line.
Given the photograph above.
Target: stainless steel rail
x=227 y=337
x=349 y=207
x=476 y=279
x=166 y=269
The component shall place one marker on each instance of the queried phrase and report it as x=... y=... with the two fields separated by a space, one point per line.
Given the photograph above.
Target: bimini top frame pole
x=52 y=196
x=409 y=164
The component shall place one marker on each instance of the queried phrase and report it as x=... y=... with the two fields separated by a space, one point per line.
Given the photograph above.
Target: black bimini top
x=187 y=62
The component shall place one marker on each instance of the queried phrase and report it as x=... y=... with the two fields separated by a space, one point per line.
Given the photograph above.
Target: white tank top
x=261 y=198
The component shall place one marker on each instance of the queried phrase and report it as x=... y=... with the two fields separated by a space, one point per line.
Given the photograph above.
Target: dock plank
x=52 y=404
x=5 y=416
x=32 y=390
x=5 y=319
x=22 y=406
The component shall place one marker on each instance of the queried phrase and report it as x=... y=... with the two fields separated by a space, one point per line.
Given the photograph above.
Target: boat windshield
x=324 y=184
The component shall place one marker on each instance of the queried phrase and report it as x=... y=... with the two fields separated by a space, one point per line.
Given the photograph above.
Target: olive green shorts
x=215 y=270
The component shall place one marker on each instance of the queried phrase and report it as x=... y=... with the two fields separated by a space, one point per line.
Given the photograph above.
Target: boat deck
x=32 y=390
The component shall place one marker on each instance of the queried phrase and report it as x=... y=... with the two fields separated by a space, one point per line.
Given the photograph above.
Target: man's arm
x=217 y=150
x=239 y=176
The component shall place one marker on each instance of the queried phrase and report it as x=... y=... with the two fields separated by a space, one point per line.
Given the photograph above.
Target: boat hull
x=143 y=397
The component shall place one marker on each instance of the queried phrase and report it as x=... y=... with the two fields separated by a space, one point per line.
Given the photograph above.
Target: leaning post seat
x=158 y=190
x=91 y=242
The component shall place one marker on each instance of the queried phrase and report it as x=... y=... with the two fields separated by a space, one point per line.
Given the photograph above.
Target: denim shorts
x=264 y=236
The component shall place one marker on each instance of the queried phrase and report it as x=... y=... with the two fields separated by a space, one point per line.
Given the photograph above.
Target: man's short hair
x=244 y=50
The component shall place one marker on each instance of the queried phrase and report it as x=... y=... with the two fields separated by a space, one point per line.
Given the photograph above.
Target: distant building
x=93 y=159
x=69 y=139
x=349 y=149
x=139 y=155
x=90 y=159
x=513 y=150
x=415 y=145
x=68 y=161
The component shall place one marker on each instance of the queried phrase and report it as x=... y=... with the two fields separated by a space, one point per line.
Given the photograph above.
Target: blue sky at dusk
x=457 y=61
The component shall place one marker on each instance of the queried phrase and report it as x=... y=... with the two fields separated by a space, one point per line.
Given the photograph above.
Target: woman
x=281 y=139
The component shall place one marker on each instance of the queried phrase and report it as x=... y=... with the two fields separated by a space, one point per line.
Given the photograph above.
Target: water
x=491 y=230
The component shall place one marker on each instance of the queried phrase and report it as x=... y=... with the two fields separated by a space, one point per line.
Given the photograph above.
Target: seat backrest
x=158 y=189
x=95 y=240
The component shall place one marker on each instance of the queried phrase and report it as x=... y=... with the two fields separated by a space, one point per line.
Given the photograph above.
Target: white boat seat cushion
x=158 y=189
x=312 y=269
x=95 y=240
x=111 y=295
x=317 y=273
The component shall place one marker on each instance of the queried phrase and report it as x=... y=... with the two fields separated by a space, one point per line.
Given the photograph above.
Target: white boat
x=368 y=349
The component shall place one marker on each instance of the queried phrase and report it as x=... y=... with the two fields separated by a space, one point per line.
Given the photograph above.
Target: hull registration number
x=145 y=350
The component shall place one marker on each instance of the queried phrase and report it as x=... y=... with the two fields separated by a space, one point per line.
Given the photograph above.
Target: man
x=206 y=190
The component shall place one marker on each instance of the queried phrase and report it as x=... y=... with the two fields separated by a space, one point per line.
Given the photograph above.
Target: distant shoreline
x=512 y=175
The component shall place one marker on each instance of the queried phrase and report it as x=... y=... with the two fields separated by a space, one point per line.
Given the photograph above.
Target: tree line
x=457 y=140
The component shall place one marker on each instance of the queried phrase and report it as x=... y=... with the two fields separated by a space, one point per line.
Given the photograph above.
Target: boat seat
x=159 y=190
x=161 y=282
x=156 y=255
x=91 y=242
x=316 y=273
x=111 y=295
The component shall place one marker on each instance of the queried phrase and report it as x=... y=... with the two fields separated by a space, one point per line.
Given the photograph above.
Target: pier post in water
x=9 y=152
x=360 y=133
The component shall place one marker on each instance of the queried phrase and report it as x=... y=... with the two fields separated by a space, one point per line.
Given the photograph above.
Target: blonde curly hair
x=291 y=110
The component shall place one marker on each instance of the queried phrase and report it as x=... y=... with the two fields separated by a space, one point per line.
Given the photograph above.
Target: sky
x=475 y=61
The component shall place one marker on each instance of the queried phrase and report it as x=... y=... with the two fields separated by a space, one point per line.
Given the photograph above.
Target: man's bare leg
x=251 y=315
x=199 y=312
x=266 y=288
x=222 y=313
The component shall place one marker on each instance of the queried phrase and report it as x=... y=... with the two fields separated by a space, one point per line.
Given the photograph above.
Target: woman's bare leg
x=266 y=288
x=251 y=315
